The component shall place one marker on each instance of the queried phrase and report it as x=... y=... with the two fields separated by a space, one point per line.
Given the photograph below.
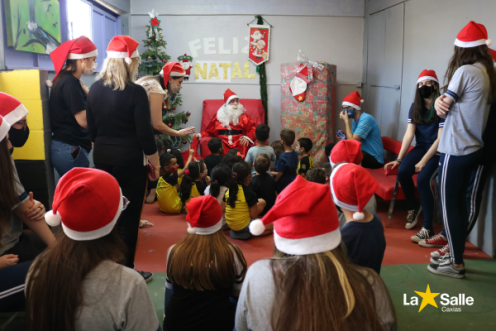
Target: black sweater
x=120 y=125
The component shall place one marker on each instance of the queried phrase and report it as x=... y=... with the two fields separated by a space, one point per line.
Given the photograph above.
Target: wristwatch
x=398 y=160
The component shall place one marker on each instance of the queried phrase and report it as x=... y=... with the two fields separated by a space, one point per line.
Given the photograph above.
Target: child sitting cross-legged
x=216 y=148
x=221 y=175
x=352 y=187
x=204 y=272
x=195 y=181
x=263 y=184
x=241 y=203
x=303 y=148
x=168 y=198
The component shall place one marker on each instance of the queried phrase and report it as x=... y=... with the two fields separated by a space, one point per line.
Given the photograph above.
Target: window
x=79 y=19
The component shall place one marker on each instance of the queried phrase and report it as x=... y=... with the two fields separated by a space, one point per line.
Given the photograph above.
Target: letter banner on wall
x=259 y=44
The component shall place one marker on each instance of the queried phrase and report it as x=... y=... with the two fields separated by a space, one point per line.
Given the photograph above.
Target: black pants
x=474 y=193
x=370 y=162
x=28 y=247
x=12 y=287
x=132 y=181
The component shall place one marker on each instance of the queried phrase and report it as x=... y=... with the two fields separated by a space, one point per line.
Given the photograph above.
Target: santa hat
x=87 y=202
x=303 y=73
x=352 y=187
x=123 y=47
x=427 y=75
x=353 y=100
x=298 y=88
x=472 y=35
x=172 y=69
x=75 y=49
x=11 y=109
x=349 y=151
x=228 y=96
x=204 y=215
x=302 y=226
x=4 y=128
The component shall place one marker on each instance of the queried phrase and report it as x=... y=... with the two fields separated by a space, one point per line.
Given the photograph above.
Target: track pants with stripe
x=406 y=171
x=474 y=193
x=456 y=174
x=12 y=280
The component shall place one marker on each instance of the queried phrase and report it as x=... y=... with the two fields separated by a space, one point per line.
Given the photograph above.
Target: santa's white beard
x=231 y=114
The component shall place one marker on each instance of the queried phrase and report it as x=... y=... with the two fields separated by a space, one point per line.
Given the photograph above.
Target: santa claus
x=232 y=125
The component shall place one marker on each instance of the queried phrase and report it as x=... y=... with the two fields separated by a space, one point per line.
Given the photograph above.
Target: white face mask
x=90 y=71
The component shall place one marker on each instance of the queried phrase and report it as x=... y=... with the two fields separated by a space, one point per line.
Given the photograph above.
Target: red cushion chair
x=253 y=108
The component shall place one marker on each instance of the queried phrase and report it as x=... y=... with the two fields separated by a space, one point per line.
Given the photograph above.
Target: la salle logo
x=446 y=300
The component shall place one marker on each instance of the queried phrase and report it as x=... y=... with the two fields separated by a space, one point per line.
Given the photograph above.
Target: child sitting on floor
x=317 y=175
x=352 y=187
x=262 y=134
x=167 y=195
x=216 y=148
x=303 y=147
x=241 y=203
x=180 y=161
x=263 y=184
x=152 y=185
x=221 y=175
x=195 y=181
x=204 y=271
x=288 y=161
x=232 y=156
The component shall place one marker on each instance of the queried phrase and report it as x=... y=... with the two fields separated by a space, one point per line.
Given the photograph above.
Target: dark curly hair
x=221 y=174
x=195 y=170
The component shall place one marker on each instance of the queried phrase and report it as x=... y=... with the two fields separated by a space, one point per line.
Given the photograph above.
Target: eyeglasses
x=125 y=202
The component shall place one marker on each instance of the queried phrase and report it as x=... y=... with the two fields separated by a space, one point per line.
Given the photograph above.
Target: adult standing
x=71 y=141
x=120 y=127
x=365 y=129
x=470 y=90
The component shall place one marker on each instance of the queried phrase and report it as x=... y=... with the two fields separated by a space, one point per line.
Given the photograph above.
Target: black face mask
x=18 y=137
x=426 y=91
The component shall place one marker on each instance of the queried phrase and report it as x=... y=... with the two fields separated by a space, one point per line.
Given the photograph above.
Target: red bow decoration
x=187 y=172
x=155 y=21
x=242 y=156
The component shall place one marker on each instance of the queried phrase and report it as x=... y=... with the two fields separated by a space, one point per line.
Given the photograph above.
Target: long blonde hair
x=323 y=292
x=205 y=262
x=117 y=73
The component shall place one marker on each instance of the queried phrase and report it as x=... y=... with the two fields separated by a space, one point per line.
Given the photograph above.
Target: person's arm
x=442 y=105
x=190 y=158
x=41 y=229
x=157 y=123
x=249 y=128
x=81 y=119
x=462 y=79
x=430 y=153
x=144 y=130
x=278 y=176
x=257 y=208
x=8 y=260
x=348 y=122
x=405 y=145
x=75 y=99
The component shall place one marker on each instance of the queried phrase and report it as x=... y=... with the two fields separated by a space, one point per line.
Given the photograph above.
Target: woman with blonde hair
x=309 y=284
x=120 y=127
x=204 y=271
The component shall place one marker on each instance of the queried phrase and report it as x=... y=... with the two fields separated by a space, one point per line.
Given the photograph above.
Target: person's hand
x=197 y=135
x=155 y=174
x=339 y=138
x=191 y=152
x=394 y=164
x=21 y=124
x=244 y=141
x=37 y=211
x=344 y=116
x=185 y=132
x=208 y=180
x=441 y=107
x=419 y=166
x=8 y=260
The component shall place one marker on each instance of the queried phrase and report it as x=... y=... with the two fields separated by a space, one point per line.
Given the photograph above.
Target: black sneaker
x=422 y=235
x=411 y=219
x=446 y=269
x=147 y=276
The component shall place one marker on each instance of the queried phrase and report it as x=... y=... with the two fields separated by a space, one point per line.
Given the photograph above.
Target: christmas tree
x=152 y=61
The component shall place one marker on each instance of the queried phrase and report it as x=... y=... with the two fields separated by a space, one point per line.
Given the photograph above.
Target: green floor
x=400 y=279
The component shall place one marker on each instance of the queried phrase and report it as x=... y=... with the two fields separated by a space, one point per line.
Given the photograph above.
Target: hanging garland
x=263 y=78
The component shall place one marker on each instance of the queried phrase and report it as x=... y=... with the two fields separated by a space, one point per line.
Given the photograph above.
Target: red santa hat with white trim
x=472 y=35
x=4 y=128
x=427 y=75
x=123 y=47
x=87 y=202
x=299 y=83
x=302 y=226
x=228 y=96
x=349 y=151
x=11 y=109
x=75 y=49
x=204 y=215
x=353 y=100
x=352 y=187
x=172 y=69
x=493 y=54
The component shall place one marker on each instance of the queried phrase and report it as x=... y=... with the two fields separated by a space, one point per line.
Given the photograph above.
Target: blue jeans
x=62 y=160
x=12 y=278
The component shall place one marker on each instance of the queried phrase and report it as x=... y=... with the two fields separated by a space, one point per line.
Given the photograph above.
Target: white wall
x=336 y=40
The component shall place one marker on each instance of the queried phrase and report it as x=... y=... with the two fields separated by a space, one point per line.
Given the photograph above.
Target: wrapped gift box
x=313 y=117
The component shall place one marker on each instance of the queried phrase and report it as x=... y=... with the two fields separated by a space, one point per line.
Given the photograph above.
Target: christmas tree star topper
x=153 y=14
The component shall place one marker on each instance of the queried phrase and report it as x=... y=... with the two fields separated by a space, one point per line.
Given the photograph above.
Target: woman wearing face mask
x=426 y=127
x=71 y=141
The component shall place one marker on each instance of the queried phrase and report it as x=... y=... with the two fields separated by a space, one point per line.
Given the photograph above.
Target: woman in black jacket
x=120 y=127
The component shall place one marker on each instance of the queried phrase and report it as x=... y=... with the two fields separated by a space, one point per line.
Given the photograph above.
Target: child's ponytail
x=220 y=175
x=191 y=174
x=240 y=172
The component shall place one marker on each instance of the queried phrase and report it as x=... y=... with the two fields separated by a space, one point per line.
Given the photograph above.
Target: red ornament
x=163 y=60
x=149 y=42
x=163 y=44
x=170 y=125
x=155 y=22
x=153 y=36
x=173 y=108
x=185 y=142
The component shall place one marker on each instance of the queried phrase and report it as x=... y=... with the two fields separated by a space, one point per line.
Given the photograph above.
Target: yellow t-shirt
x=195 y=192
x=180 y=179
x=168 y=199
x=305 y=164
x=239 y=217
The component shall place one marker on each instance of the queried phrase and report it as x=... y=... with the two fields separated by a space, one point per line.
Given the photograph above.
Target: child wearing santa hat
x=465 y=105
x=363 y=234
x=76 y=283
x=364 y=128
x=71 y=141
x=204 y=270
x=309 y=280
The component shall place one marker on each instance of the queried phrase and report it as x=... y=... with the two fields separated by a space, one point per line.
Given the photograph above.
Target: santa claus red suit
x=231 y=124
